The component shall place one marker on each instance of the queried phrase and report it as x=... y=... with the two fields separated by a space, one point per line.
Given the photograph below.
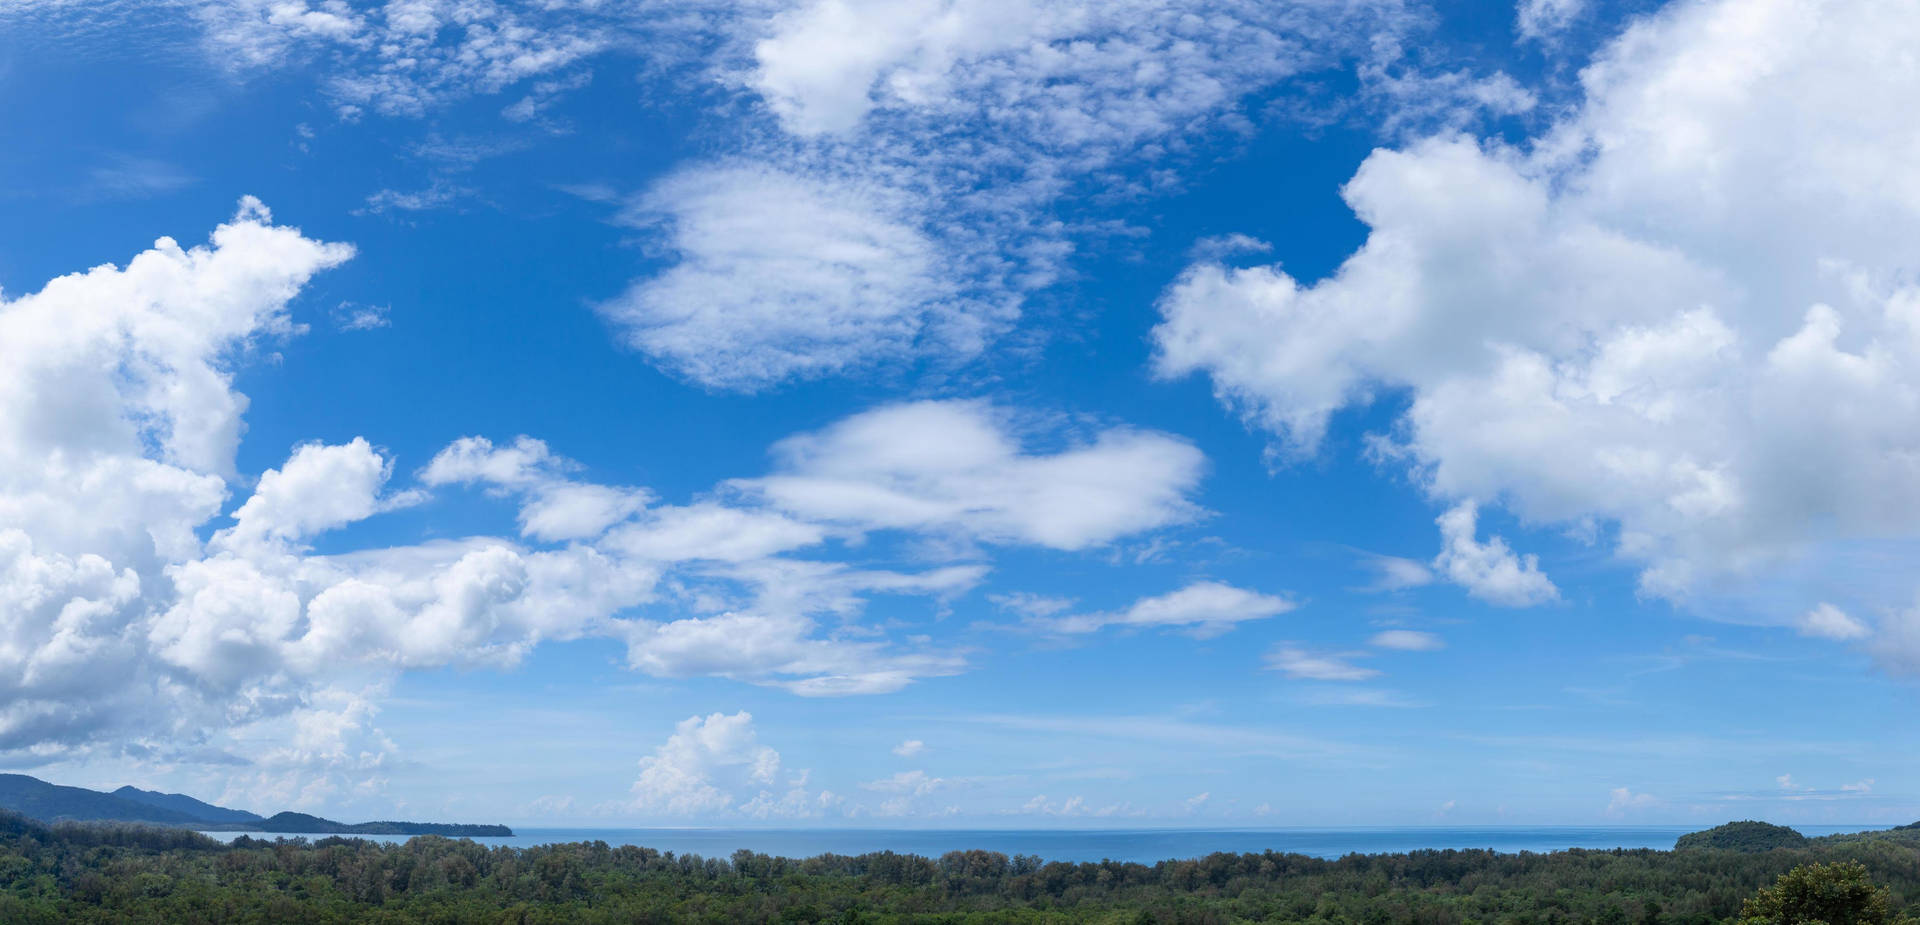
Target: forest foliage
x=94 y=873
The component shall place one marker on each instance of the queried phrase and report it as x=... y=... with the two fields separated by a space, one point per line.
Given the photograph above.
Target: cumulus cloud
x=1203 y=609
x=1621 y=801
x=910 y=748
x=959 y=466
x=710 y=764
x=318 y=489
x=138 y=614
x=1829 y=622
x=1489 y=571
x=120 y=425
x=553 y=505
x=121 y=421
x=1679 y=313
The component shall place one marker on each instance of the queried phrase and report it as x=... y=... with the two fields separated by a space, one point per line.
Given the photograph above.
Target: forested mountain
x=181 y=803
x=36 y=799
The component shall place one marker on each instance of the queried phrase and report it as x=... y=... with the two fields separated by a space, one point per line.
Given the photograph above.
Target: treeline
x=77 y=873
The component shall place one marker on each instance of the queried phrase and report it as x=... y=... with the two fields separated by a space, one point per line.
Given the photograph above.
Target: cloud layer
x=1680 y=318
x=150 y=595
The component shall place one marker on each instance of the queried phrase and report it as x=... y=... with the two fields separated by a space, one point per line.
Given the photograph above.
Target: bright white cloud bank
x=132 y=609
x=1687 y=313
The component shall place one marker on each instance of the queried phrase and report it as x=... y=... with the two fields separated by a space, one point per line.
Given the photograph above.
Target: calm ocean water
x=1144 y=845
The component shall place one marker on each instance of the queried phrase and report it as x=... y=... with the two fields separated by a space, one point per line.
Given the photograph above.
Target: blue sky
x=963 y=412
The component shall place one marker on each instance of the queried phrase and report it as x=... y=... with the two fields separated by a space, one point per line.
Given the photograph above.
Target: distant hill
x=1742 y=836
x=181 y=803
x=303 y=824
x=37 y=799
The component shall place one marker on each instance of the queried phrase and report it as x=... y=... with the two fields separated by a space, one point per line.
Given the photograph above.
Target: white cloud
x=710 y=765
x=1088 y=75
x=121 y=427
x=318 y=489
x=1398 y=574
x=890 y=168
x=1543 y=19
x=1204 y=609
x=779 y=276
x=1030 y=605
x=958 y=466
x=708 y=530
x=118 y=426
x=350 y=316
x=437 y=195
x=819 y=67
x=1489 y=571
x=1296 y=662
x=140 y=618
x=1645 y=319
x=781 y=650
x=1406 y=641
x=1443 y=101
x=407 y=56
x=1829 y=622
x=898 y=207
x=1621 y=801
x=553 y=506
x=906 y=783
x=910 y=748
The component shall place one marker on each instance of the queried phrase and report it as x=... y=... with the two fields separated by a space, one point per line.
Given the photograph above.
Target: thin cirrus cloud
x=1640 y=322
x=1303 y=664
x=1406 y=641
x=1203 y=609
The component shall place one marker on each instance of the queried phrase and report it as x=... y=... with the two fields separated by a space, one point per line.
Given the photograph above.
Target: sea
x=1140 y=845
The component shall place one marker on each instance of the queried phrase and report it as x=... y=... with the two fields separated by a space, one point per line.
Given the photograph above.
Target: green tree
x=1821 y=894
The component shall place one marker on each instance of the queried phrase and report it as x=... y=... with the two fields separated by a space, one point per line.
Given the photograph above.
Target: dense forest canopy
x=81 y=873
x=1743 y=836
